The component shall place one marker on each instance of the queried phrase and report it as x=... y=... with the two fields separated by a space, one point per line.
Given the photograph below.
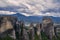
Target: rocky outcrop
x=38 y=27
x=48 y=28
x=7 y=25
x=31 y=32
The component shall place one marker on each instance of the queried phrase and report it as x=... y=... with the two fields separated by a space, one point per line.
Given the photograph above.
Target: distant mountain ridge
x=34 y=18
x=29 y=18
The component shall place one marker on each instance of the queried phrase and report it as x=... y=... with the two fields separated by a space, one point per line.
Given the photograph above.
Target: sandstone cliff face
x=7 y=24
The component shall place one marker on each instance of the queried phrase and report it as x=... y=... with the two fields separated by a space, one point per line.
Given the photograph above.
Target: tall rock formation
x=7 y=25
x=31 y=31
x=48 y=28
x=38 y=27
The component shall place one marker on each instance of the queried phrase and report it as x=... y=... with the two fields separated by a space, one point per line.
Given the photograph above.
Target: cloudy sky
x=31 y=7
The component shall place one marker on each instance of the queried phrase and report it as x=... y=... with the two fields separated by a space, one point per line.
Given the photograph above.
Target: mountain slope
x=34 y=18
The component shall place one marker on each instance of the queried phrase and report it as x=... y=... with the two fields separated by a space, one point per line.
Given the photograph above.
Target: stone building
x=48 y=28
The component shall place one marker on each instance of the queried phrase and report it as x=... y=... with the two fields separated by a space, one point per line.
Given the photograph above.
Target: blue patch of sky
x=56 y=1
x=56 y=10
x=12 y=9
